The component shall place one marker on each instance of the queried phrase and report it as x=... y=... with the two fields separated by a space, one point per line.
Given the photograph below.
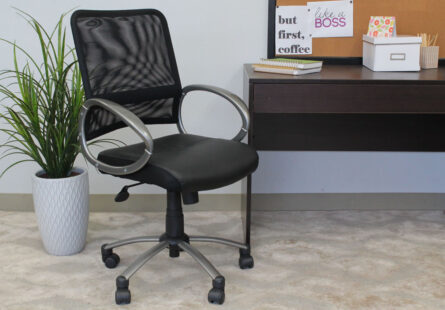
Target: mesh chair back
x=127 y=57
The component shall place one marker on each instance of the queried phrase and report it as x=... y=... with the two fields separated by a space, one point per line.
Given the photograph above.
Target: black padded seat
x=187 y=163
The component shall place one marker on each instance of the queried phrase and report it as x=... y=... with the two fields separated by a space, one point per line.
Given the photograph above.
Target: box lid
x=400 y=39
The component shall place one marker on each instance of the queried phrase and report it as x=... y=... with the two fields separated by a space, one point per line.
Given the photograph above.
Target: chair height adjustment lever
x=124 y=194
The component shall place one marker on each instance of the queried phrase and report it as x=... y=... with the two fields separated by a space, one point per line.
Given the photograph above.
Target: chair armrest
x=236 y=101
x=128 y=118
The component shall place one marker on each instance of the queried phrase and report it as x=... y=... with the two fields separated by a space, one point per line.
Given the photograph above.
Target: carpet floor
x=303 y=260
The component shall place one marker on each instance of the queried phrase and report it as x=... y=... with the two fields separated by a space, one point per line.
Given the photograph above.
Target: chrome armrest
x=128 y=118
x=236 y=101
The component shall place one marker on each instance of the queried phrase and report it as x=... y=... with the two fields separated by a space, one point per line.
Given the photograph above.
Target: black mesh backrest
x=127 y=57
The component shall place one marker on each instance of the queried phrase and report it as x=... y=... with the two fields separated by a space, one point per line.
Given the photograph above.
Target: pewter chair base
x=176 y=241
x=216 y=294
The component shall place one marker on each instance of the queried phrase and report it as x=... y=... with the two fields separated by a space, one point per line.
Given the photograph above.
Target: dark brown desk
x=344 y=108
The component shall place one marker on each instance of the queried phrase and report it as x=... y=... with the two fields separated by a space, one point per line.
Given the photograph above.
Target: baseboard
x=260 y=202
x=136 y=203
x=348 y=201
x=158 y=202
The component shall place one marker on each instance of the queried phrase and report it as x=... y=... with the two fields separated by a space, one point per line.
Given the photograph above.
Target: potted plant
x=44 y=98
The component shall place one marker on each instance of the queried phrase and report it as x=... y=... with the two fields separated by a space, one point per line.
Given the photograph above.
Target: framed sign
x=331 y=18
x=292 y=36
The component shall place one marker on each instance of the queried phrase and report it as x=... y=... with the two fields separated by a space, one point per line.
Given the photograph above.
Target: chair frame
x=174 y=237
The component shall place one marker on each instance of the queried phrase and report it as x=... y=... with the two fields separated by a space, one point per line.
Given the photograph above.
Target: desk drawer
x=348 y=132
x=342 y=98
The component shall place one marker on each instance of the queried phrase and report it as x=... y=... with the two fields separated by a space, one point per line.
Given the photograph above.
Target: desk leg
x=246 y=200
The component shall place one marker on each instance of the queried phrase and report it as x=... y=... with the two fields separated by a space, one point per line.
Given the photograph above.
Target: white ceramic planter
x=62 y=209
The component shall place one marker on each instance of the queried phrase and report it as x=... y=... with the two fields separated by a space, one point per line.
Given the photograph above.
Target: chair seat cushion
x=187 y=163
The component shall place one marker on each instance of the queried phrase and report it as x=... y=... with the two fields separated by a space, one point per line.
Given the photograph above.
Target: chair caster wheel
x=112 y=261
x=245 y=260
x=216 y=296
x=123 y=296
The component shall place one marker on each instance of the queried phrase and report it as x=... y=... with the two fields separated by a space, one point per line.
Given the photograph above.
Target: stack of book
x=288 y=66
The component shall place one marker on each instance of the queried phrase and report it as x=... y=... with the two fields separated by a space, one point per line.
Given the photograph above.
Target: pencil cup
x=429 y=57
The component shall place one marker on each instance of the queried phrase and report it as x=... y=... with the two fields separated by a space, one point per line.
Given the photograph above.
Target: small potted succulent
x=40 y=117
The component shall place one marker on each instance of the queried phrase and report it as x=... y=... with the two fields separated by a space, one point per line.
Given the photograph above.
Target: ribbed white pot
x=62 y=209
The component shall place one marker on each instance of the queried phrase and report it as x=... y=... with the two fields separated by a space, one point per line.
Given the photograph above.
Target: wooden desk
x=344 y=108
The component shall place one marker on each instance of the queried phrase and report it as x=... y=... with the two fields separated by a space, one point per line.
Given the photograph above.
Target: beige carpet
x=303 y=260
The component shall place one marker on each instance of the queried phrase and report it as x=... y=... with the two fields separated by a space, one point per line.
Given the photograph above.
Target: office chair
x=130 y=77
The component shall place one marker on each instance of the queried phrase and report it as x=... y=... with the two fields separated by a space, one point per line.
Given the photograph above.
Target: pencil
x=435 y=39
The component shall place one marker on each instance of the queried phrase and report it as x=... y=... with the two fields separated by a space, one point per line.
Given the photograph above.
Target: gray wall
x=212 y=40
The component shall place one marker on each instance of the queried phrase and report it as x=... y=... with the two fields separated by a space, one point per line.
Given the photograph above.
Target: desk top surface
x=349 y=74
